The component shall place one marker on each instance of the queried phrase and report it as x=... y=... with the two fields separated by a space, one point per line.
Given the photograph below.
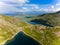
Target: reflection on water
x=22 y=39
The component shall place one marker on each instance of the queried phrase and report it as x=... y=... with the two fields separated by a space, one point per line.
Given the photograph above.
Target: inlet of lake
x=22 y=39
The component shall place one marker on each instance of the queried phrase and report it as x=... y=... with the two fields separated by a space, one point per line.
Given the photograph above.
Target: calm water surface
x=22 y=39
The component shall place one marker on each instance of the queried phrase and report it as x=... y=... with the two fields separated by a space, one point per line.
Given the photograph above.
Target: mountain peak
x=58 y=12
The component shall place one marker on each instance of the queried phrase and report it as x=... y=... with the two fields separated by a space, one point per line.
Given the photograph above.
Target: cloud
x=10 y=6
x=51 y=8
x=7 y=6
x=14 y=6
x=15 y=1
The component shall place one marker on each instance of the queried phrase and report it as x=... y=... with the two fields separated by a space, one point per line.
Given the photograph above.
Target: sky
x=16 y=6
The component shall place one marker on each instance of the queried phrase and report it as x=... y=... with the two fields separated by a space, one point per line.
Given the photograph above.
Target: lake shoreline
x=22 y=37
x=10 y=38
x=32 y=38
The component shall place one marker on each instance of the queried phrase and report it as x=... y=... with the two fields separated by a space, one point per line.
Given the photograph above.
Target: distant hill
x=51 y=19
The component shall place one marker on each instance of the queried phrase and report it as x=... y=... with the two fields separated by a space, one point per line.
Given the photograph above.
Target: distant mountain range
x=35 y=13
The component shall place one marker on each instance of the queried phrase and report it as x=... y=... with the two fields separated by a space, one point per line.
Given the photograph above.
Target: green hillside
x=52 y=19
x=9 y=27
x=47 y=29
x=45 y=35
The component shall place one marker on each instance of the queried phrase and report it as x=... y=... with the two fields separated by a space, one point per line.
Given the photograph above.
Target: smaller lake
x=22 y=39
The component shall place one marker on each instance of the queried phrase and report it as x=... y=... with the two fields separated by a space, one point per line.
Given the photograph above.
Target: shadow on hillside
x=40 y=22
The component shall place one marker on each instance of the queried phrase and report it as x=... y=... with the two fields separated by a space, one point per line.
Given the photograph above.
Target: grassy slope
x=48 y=19
x=46 y=35
x=9 y=26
